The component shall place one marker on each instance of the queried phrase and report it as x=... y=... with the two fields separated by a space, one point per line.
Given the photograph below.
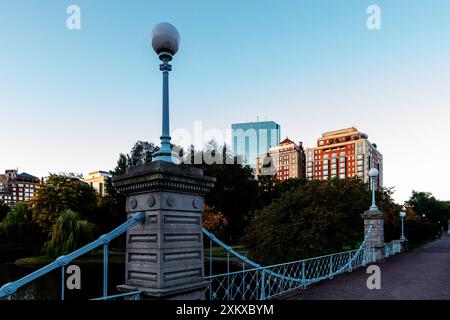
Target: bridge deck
x=421 y=274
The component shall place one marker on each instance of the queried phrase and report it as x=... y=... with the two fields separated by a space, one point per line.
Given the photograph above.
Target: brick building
x=15 y=187
x=287 y=160
x=344 y=153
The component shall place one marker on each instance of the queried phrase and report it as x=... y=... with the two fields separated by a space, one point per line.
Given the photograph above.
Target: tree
x=4 y=209
x=111 y=208
x=141 y=153
x=311 y=218
x=19 y=227
x=214 y=221
x=59 y=193
x=235 y=192
x=68 y=233
x=424 y=203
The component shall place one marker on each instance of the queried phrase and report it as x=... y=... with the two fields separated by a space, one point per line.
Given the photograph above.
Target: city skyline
x=75 y=99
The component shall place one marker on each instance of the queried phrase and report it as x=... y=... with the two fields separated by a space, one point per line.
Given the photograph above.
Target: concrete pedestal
x=376 y=237
x=164 y=255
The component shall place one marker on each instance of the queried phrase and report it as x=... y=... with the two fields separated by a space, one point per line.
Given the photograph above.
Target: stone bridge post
x=376 y=238
x=164 y=255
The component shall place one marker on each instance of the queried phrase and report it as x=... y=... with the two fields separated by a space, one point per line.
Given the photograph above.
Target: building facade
x=253 y=139
x=285 y=161
x=15 y=187
x=345 y=153
x=97 y=180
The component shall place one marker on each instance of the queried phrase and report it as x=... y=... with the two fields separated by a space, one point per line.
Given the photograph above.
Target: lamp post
x=373 y=173
x=165 y=42
x=402 y=217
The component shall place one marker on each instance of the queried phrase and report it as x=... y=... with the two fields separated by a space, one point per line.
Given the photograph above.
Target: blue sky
x=72 y=100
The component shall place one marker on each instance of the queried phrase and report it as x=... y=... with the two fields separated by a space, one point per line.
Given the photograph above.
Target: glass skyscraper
x=252 y=139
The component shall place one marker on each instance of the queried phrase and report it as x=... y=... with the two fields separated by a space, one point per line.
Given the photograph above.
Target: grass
x=96 y=256
x=92 y=257
x=218 y=252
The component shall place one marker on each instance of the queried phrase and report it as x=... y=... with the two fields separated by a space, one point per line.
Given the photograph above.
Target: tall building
x=15 y=187
x=97 y=180
x=253 y=139
x=287 y=160
x=345 y=153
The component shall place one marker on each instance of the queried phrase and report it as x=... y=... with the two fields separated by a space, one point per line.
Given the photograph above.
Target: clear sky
x=72 y=100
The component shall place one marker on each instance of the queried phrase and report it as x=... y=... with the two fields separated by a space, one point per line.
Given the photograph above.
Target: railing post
x=263 y=285
x=210 y=269
x=374 y=221
x=63 y=280
x=172 y=198
x=350 y=267
x=228 y=276
x=330 y=276
x=105 y=270
x=303 y=274
x=210 y=257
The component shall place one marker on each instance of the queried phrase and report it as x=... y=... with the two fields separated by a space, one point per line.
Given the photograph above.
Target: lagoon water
x=48 y=287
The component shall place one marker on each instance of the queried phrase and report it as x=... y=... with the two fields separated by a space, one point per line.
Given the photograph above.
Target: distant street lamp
x=402 y=217
x=165 y=41
x=373 y=173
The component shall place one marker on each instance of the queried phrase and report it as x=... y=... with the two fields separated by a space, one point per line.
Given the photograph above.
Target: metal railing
x=135 y=295
x=392 y=248
x=10 y=288
x=261 y=283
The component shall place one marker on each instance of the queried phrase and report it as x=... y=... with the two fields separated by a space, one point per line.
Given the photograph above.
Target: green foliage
x=426 y=219
x=19 y=227
x=4 y=209
x=435 y=211
x=111 y=209
x=311 y=218
x=68 y=233
x=235 y=193
x=61 y=192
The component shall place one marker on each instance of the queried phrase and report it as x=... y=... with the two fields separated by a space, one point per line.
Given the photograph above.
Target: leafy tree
x=4 y=209
x=111 y=209
x=424 y=203
x=214 y=221
x=235 y=192
x=19 y=227
x=311 y=218
x=59 y=193
x=142 y=153
x=68 y=233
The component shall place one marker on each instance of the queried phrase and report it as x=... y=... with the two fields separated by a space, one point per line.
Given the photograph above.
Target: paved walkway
x=421 y=274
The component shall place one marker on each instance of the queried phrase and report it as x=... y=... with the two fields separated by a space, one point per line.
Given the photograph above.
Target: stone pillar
x=164 y=255
x=376 y=238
